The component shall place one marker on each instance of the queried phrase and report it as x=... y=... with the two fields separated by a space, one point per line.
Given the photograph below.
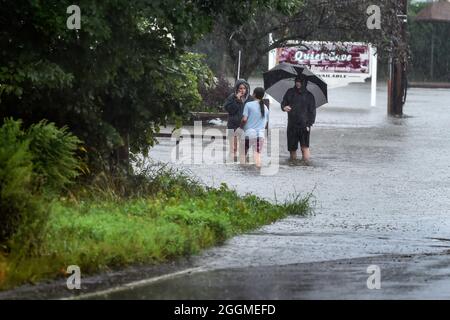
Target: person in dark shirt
x=234 y=105
x=300 y=105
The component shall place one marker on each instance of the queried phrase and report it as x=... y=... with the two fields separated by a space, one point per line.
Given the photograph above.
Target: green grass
x=100 y=234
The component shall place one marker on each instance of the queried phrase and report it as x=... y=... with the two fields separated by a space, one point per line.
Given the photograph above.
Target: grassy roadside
x=166 y=217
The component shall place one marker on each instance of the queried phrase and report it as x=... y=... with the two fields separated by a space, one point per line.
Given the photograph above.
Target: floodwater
x=381 y=187
x=381 y=190
x=382 y=196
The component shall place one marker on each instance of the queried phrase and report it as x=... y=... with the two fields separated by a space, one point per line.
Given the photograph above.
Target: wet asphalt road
x=382 y=197
x=382 y=189
x=405 y=277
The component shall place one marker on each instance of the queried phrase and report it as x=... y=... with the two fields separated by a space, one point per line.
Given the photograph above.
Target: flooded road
x=381 y=187
x=382 y=193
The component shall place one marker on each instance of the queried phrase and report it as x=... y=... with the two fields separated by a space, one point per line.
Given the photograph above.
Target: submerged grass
x=179 y=217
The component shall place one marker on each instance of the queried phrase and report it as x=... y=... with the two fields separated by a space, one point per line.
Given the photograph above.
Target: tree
x=421 y=37
x=327 y=20
x=115 y=80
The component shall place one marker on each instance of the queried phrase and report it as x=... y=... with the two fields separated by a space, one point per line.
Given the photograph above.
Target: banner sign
x=345 y=60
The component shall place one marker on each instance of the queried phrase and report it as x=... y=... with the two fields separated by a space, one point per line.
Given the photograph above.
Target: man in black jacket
x=234 y=105
x=300 y=105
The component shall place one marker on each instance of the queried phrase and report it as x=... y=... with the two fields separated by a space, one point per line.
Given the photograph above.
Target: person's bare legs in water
x=293 y=155
x=233 y=146
x=257 y=156
x=306 y=154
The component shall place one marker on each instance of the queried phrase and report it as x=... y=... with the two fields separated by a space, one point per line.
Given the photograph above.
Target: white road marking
x=135 y=284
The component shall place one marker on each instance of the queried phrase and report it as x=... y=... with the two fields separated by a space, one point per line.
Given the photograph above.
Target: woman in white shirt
x=254 y=122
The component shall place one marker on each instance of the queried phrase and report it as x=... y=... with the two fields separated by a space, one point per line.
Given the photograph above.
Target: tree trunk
x=119 y=162
x=248 y=63
x=123 y=154
x=223 y=66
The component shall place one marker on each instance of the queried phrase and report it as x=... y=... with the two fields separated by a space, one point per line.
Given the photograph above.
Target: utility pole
x=397 y=84
x=239 y=66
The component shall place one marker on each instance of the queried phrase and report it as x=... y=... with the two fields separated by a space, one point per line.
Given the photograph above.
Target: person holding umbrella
x=300 y=105
x=300 y=92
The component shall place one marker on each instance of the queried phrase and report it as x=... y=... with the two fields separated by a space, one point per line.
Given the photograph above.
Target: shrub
x=147 y=179
x=54 y=155
x=214 y=96
x=3 y=269
x=15 y=177
x=34 y=165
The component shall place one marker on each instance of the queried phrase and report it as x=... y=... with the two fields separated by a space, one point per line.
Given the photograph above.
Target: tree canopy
x=114 y=81
x=323 y=20
x=126 y=71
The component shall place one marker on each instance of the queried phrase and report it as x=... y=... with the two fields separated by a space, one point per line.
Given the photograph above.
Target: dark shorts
x=296 y=135
x=256 y=143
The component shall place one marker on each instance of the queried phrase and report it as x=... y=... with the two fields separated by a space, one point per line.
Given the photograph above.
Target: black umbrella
x=282 y=77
